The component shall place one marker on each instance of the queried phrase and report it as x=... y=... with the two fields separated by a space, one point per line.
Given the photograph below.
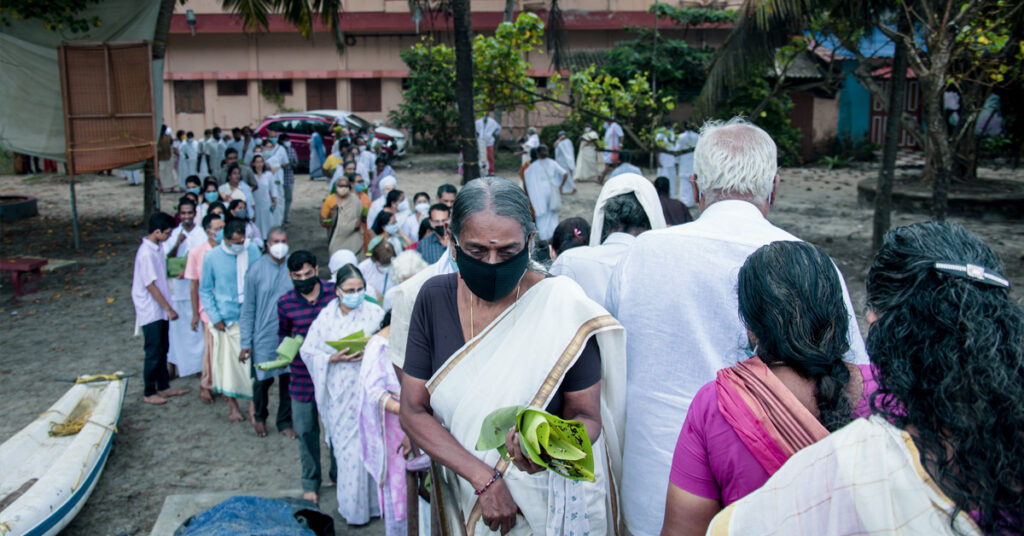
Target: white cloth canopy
x=624 y=184
x=30 y=91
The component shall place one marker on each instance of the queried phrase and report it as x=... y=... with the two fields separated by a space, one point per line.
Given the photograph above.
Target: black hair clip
x=974 y=273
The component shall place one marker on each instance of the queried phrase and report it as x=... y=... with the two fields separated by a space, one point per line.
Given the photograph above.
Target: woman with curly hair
x=944 y=453
x=745 y=424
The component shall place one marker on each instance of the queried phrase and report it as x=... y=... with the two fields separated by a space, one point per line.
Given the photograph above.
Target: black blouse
x=435 y=333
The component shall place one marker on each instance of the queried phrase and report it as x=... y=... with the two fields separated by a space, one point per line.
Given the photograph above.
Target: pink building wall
x=220 y=50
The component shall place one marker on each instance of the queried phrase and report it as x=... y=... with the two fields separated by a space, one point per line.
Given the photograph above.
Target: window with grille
x=281 y=87
x=188 y=97
x=365 y=94
x=231 y=88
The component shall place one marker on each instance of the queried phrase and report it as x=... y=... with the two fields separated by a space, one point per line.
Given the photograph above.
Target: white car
x=357 y=122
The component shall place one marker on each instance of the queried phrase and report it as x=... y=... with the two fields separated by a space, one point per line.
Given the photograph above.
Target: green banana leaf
x=561 y=446
x=176 y=265
x=355 y=342
x=286 y=351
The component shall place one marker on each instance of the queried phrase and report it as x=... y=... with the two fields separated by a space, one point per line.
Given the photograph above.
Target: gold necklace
x=472 y=328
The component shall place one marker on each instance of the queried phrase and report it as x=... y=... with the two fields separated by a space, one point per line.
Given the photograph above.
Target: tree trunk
x=510 y=9
x=941 y=153
x=462 y=28
x=150 y=196
x=897 y=90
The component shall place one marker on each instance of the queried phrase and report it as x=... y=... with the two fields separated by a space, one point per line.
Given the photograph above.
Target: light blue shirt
x=218 y=286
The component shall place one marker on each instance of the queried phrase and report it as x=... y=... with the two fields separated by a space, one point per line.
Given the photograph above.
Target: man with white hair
x=681 y=314
x=405 y=265
x=386 y=185
x=628 y=205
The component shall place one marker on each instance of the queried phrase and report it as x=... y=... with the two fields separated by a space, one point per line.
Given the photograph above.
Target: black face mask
x=305 y=286
x=439 y=230
x=491 y=282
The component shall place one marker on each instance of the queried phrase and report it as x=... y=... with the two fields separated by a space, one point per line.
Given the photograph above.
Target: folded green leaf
x=495 y=426
x=354 y=342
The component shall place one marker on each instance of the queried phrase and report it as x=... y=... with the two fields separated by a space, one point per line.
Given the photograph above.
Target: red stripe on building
x=376 y=22
x=291 y=75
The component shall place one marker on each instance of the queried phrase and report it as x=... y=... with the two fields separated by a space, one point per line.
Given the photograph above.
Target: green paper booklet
x=286 y=351
x=176 y=265
x=355 y=342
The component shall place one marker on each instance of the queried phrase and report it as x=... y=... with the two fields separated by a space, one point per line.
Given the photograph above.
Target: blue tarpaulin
x=255 y=516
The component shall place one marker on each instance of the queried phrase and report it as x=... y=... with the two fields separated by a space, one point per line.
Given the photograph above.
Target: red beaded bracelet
x=496 y=476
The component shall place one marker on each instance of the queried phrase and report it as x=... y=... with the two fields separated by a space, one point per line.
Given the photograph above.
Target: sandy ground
x=80 y=322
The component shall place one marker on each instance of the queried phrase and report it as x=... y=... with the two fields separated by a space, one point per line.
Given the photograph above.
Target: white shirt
x=675 y=293
x=666 y=139
x=564 y=155
x=592 y=267
x=487 y=129
x=613 y=136
x=625 y=168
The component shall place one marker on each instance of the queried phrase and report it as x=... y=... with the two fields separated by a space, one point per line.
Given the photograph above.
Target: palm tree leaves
x=301 y=14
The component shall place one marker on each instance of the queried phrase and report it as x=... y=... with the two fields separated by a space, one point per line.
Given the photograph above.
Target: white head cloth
x=341 y=258
x=390 y=180
x=624 y=184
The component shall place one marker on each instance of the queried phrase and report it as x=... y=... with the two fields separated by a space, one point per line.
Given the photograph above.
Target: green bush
x=774 y=119
x=428 y=103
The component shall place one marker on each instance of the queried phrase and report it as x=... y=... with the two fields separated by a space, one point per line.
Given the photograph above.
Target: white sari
x=866 y=478
x=337 y=393
x=549 y=326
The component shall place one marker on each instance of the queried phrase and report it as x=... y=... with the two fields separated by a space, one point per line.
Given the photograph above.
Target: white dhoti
x=186 y=346
x=166 y=170
x=230 y=376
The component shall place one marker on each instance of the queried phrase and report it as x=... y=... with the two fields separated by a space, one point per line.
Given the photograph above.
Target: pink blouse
x=711 y=461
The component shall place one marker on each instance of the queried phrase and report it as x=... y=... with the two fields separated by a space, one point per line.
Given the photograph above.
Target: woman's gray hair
x=496 y=195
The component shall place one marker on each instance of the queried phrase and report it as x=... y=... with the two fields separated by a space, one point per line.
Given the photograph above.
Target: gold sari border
x=572 y=350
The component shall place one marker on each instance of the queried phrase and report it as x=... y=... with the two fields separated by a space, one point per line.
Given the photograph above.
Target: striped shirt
x=289 y=170
x=294 y=316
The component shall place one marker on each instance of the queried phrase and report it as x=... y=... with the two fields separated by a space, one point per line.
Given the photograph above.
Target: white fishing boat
x=49 y=468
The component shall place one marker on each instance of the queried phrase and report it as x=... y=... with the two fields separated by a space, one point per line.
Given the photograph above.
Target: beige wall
x=209 y=57
x=402 y=6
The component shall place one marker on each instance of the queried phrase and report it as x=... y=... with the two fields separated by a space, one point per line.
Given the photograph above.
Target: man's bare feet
x=311 y=496
x=167 y=393
x=156 y=400
x=252 y=413
x=206 y=396
x=234 y=415
x=289 y=433
x=260 y=428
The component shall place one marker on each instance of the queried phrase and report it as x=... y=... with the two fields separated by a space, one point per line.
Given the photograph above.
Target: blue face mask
x=354 y=299
x=193 y=191
x=391 y=228
x=274 y=139
x=360 y=187
x=211 y=196
x=236 y=248
x=219 y=237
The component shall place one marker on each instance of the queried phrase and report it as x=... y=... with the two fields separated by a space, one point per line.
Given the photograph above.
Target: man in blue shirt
x=432 y=246
x=265 y=282
x=222 y=292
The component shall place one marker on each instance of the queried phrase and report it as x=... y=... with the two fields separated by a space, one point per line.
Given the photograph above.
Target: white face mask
x=422 y=208
x=279 y=250
x=234 y=249
x=403 y=206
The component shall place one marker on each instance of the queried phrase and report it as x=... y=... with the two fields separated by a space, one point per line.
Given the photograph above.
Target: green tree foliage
x=57 y=15
x=499 y=64
x=597 y=95
x=678 y=67
x=428 y=105
x=773 y=118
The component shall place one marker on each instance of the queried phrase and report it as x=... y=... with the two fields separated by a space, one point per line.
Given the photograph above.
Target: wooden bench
x=25 y=273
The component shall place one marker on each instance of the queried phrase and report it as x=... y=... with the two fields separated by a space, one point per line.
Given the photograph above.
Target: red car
x=300 y=127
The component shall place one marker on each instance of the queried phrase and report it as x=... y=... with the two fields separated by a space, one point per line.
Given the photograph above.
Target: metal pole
x=74 y=210
x=653 y=156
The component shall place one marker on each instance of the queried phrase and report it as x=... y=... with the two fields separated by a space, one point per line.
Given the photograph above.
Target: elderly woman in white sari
x=497 y=334
x=335 y=375
x=943 y=454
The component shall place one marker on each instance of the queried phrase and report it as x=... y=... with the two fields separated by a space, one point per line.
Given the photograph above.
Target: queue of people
x=716 y=365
